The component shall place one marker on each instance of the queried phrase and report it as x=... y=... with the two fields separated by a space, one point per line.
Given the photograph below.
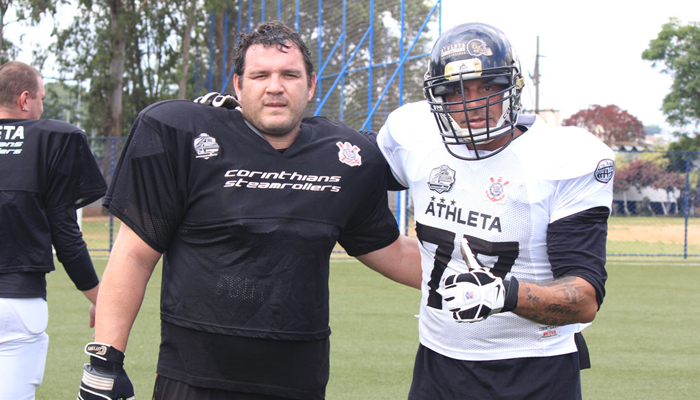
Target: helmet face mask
x=471 y=54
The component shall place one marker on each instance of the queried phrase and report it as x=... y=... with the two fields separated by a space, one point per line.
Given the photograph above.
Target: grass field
x=653 y=236
x=644 y=342
x=650 y=236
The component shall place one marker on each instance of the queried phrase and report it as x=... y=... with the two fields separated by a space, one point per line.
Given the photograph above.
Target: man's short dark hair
x=15 y=78
x=272 y=34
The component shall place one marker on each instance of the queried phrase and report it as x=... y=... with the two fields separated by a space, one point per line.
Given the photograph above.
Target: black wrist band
x=511 y=301
x=104 y=353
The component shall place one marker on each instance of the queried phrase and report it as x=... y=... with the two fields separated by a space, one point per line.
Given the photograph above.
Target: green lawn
x=644 y=342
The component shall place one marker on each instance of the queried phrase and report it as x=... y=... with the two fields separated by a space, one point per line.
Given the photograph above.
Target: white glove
x=474 y=295
x=217 y=99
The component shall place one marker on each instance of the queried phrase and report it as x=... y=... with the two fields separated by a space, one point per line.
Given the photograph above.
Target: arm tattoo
x=563 y=310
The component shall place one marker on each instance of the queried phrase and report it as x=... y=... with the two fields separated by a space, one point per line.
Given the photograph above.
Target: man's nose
x=275 y=84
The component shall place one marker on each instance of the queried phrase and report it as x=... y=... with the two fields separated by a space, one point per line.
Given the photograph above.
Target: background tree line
x=118 y=56
x=676 y=52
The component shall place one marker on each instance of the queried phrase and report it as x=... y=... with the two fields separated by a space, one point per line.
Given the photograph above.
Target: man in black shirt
x=48 y=172
x=245 y=206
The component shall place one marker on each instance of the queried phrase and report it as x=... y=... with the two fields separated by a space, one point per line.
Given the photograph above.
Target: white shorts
x=23 y=346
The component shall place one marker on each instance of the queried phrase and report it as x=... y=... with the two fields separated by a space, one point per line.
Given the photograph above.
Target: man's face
x=35 y=104
x=274 y=89
x=475 y=89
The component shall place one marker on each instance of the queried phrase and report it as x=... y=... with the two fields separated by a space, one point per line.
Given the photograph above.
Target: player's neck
x=499 y=142
x=281 y=142
x=8 y=114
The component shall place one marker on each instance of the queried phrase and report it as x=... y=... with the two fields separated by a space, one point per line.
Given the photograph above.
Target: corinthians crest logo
x=441 y=179
x=349 y=154
x=206 y=146
x=497 y=189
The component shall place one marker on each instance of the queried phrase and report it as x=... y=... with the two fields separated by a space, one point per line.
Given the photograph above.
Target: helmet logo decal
x=605 y=170
x=349 y=154
x=441 y=179
x=496 y=190
x=206 y=146
x=478 y=47
x=453 y=50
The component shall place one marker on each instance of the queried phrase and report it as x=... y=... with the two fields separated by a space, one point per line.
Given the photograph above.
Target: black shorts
x=436 y=377
x=170 y=389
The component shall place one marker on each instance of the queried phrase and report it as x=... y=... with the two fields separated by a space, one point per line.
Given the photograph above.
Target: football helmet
x=468 y=52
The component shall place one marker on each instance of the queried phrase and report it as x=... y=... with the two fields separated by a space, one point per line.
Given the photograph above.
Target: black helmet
x=466 y=52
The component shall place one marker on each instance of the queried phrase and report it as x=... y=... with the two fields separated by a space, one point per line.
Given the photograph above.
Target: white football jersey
x=503 y=205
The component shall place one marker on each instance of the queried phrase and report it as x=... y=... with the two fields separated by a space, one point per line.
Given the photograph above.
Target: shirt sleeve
x=143 y=193
x=392 y=183
x=375 y=231
x=576 y=247
x=71 y=249
x=372 y=225
x=75 y=177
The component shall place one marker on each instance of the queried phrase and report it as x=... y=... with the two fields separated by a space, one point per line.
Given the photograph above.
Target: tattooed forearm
x=531 y=298
x=559 y=302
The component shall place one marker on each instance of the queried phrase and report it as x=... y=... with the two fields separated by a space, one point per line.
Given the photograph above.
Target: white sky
x=592 y=50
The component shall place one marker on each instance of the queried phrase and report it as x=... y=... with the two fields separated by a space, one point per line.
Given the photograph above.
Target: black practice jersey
x=48 y=171
x=247 y=231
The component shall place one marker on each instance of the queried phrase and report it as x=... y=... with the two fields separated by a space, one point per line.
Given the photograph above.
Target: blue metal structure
x=340 y=47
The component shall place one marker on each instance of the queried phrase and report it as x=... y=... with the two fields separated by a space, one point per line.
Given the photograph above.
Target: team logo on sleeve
x=605 y=170
x=206 y=146
x=349 y=154
x=497 y=189
x=441 y=179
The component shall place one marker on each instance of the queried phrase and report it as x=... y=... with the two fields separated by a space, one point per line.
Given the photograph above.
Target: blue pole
x=687 y=203
x=371 y=61
x=401 y=45
x=320 y=48
x=223 y=70
x=342 y=82
x=211 y=52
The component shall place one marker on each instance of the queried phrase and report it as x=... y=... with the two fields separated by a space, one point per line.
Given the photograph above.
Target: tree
x=612 y=124
x=62 y=102
x=677 y=50
x=125 y=52
x=684 y=150
x=25 y=10
x=640 y=174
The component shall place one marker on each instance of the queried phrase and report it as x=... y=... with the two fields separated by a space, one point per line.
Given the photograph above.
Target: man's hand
x=217 y=99
x=104 y=377
x=474 y=295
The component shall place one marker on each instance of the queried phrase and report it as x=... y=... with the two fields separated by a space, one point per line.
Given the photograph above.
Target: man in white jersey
x=532 y=202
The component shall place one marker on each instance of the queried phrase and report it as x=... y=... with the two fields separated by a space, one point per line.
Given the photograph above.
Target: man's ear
x=236 y=87
x=22 y=100
x=312 y=87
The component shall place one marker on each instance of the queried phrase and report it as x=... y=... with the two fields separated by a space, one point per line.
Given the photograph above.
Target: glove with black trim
x=474 y=295
x=217 y=99
x=104 y=377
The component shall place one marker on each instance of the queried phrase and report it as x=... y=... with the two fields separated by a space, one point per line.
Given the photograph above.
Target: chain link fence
x=655 y=210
